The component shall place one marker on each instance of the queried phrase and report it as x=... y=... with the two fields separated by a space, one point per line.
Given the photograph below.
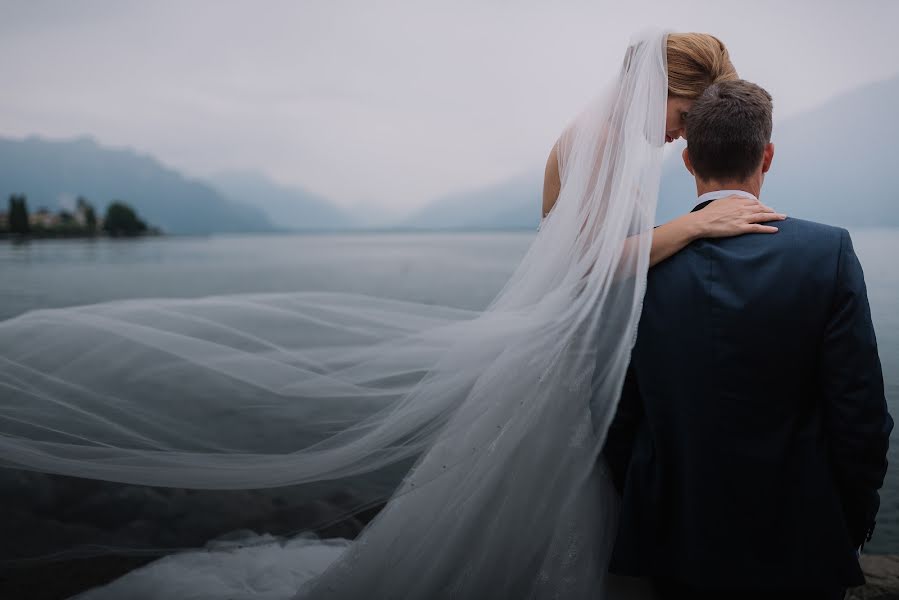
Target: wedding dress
x=496 y=418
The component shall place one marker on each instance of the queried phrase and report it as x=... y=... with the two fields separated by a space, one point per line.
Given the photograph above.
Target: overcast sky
x=387 y=104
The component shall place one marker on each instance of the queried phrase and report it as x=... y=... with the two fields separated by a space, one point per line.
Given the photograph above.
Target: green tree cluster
x=17 y=215
x=122 y=220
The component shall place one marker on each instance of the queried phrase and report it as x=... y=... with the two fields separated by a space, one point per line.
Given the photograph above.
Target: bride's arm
x=719 y=219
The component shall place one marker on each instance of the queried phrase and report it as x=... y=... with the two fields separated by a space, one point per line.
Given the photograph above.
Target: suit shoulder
x=813 y=234
x=813 y=228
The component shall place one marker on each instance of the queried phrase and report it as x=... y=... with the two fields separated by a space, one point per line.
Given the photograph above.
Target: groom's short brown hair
x=727 y=130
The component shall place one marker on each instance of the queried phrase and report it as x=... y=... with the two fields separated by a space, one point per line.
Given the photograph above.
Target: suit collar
x=708 y=197
x=701 y=205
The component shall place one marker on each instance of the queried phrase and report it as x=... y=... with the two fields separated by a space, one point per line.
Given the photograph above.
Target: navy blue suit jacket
x=751 y=435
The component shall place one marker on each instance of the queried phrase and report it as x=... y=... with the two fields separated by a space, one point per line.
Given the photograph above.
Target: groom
x=751 y=436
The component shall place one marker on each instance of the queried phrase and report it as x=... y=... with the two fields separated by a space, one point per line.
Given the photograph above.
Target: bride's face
x=675 y=120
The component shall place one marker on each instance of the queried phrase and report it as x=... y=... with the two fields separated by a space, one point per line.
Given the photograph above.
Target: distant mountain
x=833 y=164
x=511 y=204
x=53 y=172
x=287 y=207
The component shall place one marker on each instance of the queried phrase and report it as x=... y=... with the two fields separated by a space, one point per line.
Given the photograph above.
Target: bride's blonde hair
x=696 y=61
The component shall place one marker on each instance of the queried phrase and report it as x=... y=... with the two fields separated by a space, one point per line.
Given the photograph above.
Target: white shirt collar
x=717 y=194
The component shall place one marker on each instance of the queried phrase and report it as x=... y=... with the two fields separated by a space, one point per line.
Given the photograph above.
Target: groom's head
x=728 y=131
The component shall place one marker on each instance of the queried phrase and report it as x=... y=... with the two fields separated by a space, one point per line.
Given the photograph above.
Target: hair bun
x=695 y=61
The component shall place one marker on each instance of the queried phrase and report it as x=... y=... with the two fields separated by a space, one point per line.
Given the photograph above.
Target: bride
x=497 y=417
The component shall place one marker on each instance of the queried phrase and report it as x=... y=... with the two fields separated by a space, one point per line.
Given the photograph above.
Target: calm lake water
x=457 y=269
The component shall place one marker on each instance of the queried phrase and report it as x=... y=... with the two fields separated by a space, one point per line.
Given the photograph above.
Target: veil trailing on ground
x=501 y=413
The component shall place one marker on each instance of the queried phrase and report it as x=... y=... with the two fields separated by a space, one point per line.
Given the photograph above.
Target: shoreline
x=19 y=237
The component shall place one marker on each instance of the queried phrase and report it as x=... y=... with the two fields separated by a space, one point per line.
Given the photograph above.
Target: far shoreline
x=27 y=237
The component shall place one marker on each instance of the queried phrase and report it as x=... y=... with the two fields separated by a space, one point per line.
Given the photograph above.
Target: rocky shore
x=43 y=514
x=882 y=573
x=59 y=580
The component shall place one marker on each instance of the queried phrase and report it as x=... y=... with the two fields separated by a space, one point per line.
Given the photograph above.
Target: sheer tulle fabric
x=504 y=411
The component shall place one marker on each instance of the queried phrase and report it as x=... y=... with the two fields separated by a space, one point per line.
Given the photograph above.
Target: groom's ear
x=767 y=157
x=686 y=156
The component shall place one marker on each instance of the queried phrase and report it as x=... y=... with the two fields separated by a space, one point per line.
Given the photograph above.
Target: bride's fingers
x=756 y=228
x=749 y=202
x=756 y=205
x=762 y=217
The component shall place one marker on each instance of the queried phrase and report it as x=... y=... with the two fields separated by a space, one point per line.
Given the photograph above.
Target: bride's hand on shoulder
x=734 y=215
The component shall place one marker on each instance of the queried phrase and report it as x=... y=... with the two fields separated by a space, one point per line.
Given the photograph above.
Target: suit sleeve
x=623 y=429
x=855 y=412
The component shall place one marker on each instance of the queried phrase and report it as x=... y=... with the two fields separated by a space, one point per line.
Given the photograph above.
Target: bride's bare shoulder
x=595 y=146
x=552 y=182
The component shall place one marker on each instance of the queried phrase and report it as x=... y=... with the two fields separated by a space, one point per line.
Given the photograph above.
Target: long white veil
x=500 y=414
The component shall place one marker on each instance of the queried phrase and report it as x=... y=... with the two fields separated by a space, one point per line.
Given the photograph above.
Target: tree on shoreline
x=90 y=216
x=18 y=214
x=121 y=219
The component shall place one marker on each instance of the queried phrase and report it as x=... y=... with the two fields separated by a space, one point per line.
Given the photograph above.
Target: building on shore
x=42 y=217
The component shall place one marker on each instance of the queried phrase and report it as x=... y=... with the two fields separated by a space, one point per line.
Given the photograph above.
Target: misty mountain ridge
x=52 y=173
x=287 y=207
x=511 y=204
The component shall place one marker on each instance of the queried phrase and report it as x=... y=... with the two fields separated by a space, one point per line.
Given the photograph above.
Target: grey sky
x=389 y=104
